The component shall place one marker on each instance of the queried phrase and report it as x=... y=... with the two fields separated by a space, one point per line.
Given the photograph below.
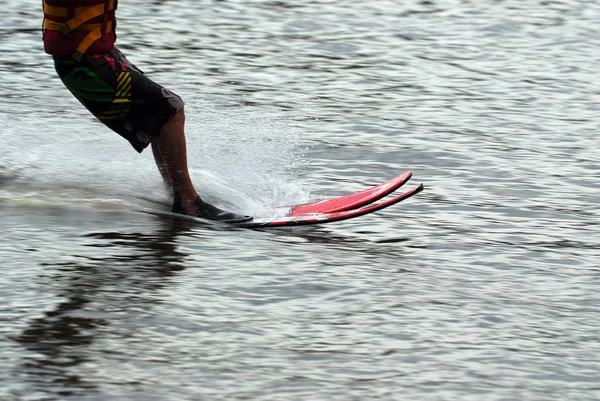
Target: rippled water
x=483 y=287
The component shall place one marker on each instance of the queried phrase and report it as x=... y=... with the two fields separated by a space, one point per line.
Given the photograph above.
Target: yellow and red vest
x=78 y=27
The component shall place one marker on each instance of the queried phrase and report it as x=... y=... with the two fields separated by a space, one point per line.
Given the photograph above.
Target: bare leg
x=170 y=154
x=162 y=167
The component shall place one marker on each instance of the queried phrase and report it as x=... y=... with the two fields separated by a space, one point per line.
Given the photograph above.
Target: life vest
x=77 y=27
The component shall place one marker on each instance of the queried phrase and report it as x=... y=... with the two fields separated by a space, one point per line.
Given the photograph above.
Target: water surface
x=482 y=287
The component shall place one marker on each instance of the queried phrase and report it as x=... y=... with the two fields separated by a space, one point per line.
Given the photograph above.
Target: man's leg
x=170 y=154
x=160 y=163
x=138 y=109
x=171 y=158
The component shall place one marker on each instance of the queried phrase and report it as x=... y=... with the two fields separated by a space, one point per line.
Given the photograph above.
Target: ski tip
x=418 y=189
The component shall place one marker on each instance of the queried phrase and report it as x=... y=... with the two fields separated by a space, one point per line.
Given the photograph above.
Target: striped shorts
x=119 y=94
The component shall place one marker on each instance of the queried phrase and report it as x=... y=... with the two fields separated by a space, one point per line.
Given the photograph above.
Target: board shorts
x=119 y=94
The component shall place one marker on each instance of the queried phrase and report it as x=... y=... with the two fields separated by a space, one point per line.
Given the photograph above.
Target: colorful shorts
x=120 y=95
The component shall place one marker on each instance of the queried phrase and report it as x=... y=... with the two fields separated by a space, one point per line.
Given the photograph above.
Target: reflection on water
x=95 y=294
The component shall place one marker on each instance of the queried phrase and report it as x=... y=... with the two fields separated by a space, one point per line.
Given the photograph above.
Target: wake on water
x=240 y=161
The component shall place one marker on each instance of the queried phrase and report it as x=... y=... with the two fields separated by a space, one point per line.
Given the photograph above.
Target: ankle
x=187 y=200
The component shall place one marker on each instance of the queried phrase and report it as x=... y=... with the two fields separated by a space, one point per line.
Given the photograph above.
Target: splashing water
x=243 y=159
x=237 y=160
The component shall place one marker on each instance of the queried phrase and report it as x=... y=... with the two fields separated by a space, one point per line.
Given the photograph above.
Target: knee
x=178 y=119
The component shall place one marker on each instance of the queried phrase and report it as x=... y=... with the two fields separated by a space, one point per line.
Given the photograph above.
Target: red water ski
x=321 y=218
x=352 y=201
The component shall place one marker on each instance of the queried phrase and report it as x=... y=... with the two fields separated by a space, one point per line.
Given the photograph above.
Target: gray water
x=483 y=287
